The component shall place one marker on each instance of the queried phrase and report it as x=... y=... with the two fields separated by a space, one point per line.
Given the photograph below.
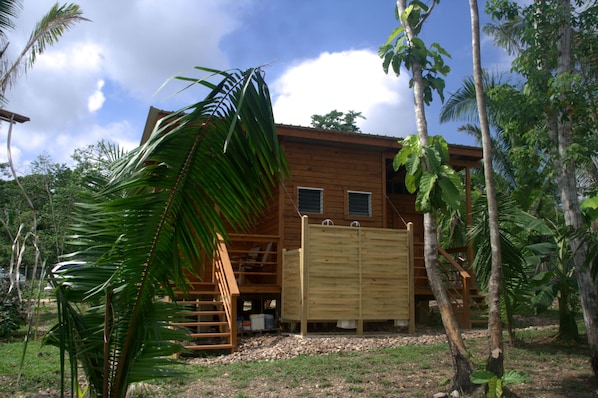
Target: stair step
x=209 y=347
x=206 y=312
x=189 y=293
x=197 y=323
x=209 y=334
x=199 y=302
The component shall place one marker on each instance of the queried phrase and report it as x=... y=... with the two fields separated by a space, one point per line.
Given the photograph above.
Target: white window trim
x=369 y=194
x=321 y=190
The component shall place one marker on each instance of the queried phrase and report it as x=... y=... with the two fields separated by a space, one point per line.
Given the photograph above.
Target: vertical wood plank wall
x=347 y=273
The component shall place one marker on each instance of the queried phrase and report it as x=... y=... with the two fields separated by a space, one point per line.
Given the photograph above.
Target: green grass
x=558 y=369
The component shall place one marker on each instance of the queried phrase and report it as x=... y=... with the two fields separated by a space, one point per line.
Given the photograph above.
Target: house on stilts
x=340 y=241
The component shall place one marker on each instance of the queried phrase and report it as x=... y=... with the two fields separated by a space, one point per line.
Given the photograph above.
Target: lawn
x=557 y=369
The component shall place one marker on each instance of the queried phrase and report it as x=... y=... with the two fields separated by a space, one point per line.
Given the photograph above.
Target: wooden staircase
x=205 y=318
x=469 y=304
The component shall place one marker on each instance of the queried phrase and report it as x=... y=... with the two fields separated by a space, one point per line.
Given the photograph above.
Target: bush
x=12 y=310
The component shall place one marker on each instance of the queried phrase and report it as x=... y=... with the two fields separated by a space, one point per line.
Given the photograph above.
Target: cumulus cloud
x=100 y=78
x=348 y=80
x=96 y=100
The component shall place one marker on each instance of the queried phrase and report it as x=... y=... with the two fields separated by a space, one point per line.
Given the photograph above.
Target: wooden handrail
x=447 y=256
x=466 y=277
x=247 y=254
x=228 y=288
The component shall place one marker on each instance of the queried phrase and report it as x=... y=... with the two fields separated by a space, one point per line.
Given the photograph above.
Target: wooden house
x=340 y=241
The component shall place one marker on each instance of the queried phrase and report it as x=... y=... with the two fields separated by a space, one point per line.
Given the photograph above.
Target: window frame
x=369 y=204
x=312 y=189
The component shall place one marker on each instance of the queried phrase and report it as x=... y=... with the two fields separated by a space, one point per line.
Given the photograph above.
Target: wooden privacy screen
x=348 y=273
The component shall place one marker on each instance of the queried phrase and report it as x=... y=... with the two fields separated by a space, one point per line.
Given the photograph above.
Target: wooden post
x=304 y=273
x=466 y=304
x=233 y=326
x=360 y=315
x=411 y=289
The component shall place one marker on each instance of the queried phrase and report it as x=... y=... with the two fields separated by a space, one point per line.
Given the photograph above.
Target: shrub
x=12 y=310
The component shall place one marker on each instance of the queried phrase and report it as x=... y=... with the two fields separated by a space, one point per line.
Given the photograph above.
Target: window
x=360 y=203
x=310 y=200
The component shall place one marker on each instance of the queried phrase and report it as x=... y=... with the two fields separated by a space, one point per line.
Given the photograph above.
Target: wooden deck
x=339 y=273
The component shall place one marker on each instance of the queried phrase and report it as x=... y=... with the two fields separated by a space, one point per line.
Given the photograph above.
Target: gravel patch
x=275 y=347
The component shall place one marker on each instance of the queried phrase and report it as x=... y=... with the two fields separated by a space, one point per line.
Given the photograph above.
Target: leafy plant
x=154 y=222
x=12 y=309
x=495 y=384
x=437 y=184
x=399 y=50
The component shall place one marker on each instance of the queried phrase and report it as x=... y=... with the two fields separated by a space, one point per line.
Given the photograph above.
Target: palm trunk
x=494 y=362
x=461 y=364
x=561 y=132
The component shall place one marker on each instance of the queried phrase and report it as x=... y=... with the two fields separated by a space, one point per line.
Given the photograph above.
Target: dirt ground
x=556 y=370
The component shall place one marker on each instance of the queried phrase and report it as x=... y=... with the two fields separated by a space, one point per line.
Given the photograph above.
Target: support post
x=411 y=289
x=303 y=273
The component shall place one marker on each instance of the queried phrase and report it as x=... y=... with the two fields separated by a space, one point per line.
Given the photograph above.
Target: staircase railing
x=224 y=278
x=458 y=283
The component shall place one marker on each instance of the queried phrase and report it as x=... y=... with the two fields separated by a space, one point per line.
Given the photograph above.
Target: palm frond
x=9 y=11
x=507 y=34
x=59 y=19
x=205 y=167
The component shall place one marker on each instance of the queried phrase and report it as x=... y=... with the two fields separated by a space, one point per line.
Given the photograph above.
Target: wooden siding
x=348 y=273
x=336 y=170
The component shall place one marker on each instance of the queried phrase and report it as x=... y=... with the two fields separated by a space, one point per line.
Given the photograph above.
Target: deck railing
x=255 y=259
x=458 y=282
x=224 y=277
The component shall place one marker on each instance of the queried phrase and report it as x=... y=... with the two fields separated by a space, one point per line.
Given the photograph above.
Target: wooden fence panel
x=291 y=285
x=350 y=274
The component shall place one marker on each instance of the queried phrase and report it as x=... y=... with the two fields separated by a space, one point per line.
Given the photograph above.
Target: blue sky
x=99 y=81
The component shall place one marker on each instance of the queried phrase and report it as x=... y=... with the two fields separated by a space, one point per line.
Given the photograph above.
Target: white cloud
x=96 y=100
x=348 y=80
x=98 y=80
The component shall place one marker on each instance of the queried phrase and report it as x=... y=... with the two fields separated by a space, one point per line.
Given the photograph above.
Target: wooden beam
x=411 y=293
x=9 y=116
x=304 y=273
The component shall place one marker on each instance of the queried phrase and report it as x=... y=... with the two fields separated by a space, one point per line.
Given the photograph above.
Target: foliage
x=496 y=384
x=12 y=309
x=398 y=51
x=517 y=230
x=335 y=120
x=47 y=31
x=438 y=186
x=155 y=221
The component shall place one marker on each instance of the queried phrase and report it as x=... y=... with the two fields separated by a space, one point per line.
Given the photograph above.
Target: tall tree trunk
x=461 y=364
x=560 y=130
x=494 y=362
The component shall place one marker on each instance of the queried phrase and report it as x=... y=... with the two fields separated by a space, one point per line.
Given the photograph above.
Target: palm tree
x=47 y=31
x=495 y=359
x=158 y=218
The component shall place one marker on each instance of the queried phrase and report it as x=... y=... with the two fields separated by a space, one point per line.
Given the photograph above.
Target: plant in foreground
x=495 y=384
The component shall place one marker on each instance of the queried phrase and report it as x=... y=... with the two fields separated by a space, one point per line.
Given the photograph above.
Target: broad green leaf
x=397 y=32
x=481 y=376
x=426 y=187
x=542 y=247
x=432 y=159
x=515 y=377
x=449 y=193
x=440 y=50
x=387 y=60
x=400 y=158
x=411 y=182
x=497 y=388
x=406 y=13
x=412 y=163
x=396 y=64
